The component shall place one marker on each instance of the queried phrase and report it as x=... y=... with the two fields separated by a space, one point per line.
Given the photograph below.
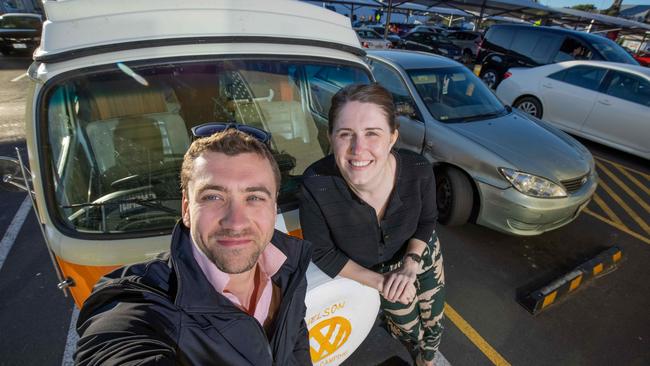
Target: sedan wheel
x=454 y=196
x=530 y=105
x=490 y=78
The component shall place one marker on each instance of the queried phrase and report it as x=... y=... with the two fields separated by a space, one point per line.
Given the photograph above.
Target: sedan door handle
x=604 y=102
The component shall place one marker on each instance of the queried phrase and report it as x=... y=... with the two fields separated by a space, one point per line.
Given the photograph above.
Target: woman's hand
x=399 y=285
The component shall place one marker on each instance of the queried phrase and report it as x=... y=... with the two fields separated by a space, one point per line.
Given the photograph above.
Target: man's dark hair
x=230 y=142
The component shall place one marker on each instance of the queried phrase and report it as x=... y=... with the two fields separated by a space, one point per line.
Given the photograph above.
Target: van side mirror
x=11 y=175
x=405 y=109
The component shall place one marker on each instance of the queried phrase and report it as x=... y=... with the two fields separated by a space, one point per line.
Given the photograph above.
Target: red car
x=643 y=58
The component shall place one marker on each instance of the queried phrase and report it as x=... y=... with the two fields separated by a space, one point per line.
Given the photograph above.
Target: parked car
x=114 y=93
x=371 y=39
x=494 y=165
x=515 y=45
x=430 y=42
x=393 y=37
x=468 y=42
x=430 y=29
x=643 y=58
x=602 y=101
x=20 y=32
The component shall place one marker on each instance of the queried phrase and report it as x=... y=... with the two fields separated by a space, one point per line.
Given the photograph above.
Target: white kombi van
x=117 y=86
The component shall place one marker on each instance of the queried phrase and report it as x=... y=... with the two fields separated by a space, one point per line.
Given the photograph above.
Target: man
x=232 y=289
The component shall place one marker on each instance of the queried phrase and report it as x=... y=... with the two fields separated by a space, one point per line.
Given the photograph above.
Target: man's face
x=230 y=208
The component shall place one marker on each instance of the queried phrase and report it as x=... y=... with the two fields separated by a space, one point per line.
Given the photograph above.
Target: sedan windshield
x=454 y=94
x=116 y=137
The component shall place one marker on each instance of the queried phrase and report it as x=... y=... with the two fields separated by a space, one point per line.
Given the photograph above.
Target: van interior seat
x=134 y=130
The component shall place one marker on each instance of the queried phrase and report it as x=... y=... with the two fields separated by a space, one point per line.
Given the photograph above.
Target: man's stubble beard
x=227 y=261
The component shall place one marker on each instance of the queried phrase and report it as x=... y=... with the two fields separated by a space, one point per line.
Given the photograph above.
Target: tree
x=585 y=7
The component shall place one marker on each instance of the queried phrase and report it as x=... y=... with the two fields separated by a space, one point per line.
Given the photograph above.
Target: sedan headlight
x=443 y=51
x=532 y=185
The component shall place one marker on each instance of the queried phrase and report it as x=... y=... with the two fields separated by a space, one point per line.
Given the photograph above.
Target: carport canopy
x=572 y=17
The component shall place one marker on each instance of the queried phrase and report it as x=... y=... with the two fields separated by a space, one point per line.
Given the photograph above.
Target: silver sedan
x=496 y=166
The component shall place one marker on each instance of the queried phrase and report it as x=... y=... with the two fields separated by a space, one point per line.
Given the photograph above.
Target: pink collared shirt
x=268 y=263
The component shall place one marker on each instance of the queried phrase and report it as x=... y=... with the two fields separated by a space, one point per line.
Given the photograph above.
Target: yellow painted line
x=624 y=206
x=620 y=227
x=645 y=175
x=627 y=189
x=629 y=176
x=599 y=201
x=473 y=336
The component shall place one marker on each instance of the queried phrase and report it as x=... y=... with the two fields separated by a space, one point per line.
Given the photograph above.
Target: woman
x=370 y=212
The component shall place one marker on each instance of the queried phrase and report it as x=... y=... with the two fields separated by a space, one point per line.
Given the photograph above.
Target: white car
x=371 y=39
x=601 y=101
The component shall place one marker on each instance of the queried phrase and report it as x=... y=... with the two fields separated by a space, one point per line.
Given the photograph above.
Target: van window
x=524 y=42
x=629 y=87
x=545 y=48
x=572 y=49
x=116 y=137
x=587 y=77
x=500 y=38
x=610 y=51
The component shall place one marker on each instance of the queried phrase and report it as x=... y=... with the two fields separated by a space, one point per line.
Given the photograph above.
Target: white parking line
x=14 y=228
x=18 y=77
x=71 y=342
x=440 y=360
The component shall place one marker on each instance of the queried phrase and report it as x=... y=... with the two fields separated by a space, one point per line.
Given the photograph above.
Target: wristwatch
x=416 y=257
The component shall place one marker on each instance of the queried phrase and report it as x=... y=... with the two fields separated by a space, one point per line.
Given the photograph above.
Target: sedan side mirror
x=12 y=175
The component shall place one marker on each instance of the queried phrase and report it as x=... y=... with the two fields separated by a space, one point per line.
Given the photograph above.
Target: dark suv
x=506 y=46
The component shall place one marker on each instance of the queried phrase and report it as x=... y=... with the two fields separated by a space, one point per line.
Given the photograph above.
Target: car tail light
x=389 y=45
x=364 y=44
x=480 y=43
x=507 y=75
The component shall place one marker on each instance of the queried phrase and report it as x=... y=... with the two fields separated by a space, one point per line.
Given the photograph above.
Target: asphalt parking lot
x=605 y=322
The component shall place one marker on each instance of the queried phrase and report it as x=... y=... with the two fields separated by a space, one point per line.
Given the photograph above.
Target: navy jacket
x=165 y=312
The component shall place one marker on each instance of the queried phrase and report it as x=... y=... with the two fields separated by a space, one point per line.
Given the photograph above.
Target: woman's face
x=361 y=141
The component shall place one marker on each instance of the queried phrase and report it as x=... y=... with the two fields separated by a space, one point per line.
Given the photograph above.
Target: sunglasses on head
x=210 y=128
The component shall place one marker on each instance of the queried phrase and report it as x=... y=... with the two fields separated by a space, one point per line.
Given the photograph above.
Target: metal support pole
x=480 y=17
x=390 y=9
x=638 y=48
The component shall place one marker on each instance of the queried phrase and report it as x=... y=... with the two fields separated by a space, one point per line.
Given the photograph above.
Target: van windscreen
x=116 y=137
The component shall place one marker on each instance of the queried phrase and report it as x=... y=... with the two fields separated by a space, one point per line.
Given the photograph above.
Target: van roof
x=77 y=28
x=549 y=29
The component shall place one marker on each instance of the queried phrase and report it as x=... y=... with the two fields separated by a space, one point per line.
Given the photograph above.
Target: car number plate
x=20 y=45
x=477 y=70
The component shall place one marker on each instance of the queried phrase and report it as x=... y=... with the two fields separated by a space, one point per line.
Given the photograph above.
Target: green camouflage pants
x=419 y=324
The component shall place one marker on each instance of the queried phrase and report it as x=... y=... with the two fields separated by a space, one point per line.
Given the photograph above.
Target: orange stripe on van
x=297 y=233
x=84 y=278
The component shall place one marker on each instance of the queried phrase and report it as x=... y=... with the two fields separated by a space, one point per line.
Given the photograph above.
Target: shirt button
x=386 y=237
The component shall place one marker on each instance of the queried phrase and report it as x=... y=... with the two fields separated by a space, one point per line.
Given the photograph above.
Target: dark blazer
x=165 y=312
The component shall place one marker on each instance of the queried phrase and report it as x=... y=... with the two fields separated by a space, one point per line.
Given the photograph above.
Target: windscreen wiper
x=150 y=202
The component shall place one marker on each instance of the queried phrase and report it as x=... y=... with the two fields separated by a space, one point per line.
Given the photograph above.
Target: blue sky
x=600 y=4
